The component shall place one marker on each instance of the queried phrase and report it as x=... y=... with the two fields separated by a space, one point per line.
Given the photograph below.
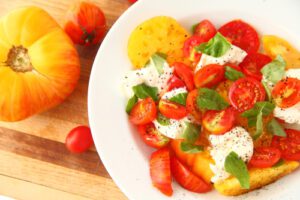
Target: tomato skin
x=172 y=110
x=160 y=171
x=245 y=92
x=286 y=92
x=191 y=105
x=209 y=76
x=289 y=146
x=253 y=63
x=132 y=1
x=187 y=179
x=206 y=30
x=265 y=157
x=79 y=139
x=86 y=23
x=219 y=122
x=185 y=73
x=152 y=137
x=242 y=35
x=143 y=112
x=188 y=48
x=173 y=83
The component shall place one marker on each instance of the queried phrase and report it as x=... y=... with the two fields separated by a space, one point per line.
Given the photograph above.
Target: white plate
x=122 y=152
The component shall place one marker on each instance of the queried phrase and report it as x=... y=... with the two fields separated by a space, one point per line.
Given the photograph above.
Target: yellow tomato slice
x=274 y=46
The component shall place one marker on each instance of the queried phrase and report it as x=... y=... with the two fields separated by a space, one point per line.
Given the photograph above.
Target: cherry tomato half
x=189 y=48
x=191 y=105
x=160 y=171
x=143 y=112
x=173 y=83
x=209 y=76
x=152 y=137
x=245 y=92
x=185 y=73
x=265 y=157
x=242 y=35
x=286 y=92
x=79 y=139
x=253 y=63
x=172 y=110
x=206 y=30
x=187 y=179
x=289 y=146
x=219 y=122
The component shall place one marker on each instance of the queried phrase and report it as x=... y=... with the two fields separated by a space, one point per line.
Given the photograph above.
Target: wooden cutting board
x=34 y=163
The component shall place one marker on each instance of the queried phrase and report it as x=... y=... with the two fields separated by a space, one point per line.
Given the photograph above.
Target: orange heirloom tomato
x=85 y=24
x=39 y=66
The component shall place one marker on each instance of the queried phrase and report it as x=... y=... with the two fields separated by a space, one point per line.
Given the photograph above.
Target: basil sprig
x=131 y=102
x=143 y=91
x=232 y=74
x=215 y=47
x=275 y=128
x=237 y=168
x=179 y=98
x=158 y=60
x=190 y=135
x=211 y=100
x=190 y=148
x=255 y=116
x=275 y=70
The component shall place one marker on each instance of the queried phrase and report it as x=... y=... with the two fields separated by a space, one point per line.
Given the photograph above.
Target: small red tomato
x=185 y=73
x=143 y=112
x=265 y=157
x=206 y=30
x=172 y=110
x=85 y=24
x=189 y=48
x=191 y=105
x=79 y=139
x=209 y=76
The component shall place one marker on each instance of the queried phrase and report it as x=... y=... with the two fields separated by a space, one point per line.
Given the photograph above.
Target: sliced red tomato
x=185 y=73
x=245 y=92
x=286 y=92
x=206 y=30
x=172 y=110
x=289 y=146
x=189 y=48
x=209 y=76
x=219 y=122
x=191 y=105
x=160 y=171
x=143 y=112
x=265 y=157
x=253 y=63
x=152 y=137
x=241 y=34
x=174 y=82
x=187 y=179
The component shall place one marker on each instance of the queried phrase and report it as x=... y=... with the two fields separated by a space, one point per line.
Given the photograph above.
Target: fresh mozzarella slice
x=237 y=140
x=289 y=115
x=172 y=93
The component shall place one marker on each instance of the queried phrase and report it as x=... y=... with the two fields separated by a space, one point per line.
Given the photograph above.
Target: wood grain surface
x=34 y=163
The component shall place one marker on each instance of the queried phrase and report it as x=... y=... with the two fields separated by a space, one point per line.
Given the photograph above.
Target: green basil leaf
x=193 y=28
x=275 y=70
x=232 y=74
x=259 y=126
x=191 y=132
x=275 y=128
x=216 y=47
x=190 y=148
x=267 y=89
x=131 y=102
x=279 y=163
x=211 y=100
x=179 y=98
x=143 y=91
x=158 y=60
x=237 y=168
x=162 y=120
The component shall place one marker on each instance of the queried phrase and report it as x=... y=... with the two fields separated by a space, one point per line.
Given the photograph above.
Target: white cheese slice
x=174 y=130
x=172 y=93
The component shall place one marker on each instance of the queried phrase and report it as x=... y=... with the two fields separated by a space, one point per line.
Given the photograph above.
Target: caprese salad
x=228 y=111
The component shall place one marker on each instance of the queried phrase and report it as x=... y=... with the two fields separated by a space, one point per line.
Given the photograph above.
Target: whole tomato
x=79 y=139
x=85 y=23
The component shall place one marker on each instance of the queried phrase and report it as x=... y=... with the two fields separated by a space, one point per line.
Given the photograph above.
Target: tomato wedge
x=286 y=92
x=242 y=35
x=245 y=92
x=265 y=157
x=143 y=112
x=191 y=105
x=173 y=83
x=152 y=137
x=209 y=75
x=189 y=48
x=253 y=63
x=206 y=30
x=160 y=171
x=187 y=179
x=172 y=110
x=219 y=122
x=185 y=73
x=289 y=146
